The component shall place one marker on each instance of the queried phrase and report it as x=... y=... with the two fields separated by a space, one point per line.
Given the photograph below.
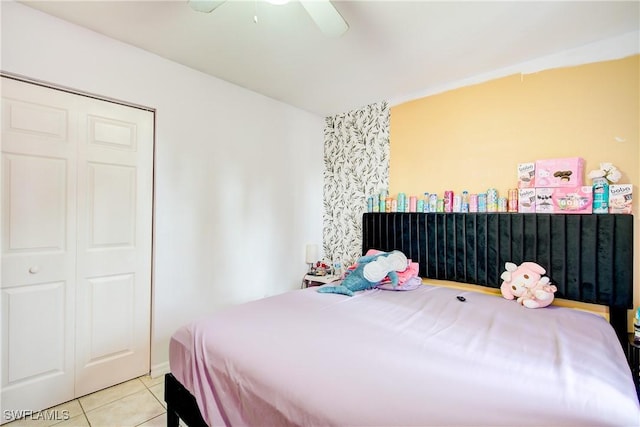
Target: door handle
x=34 y=270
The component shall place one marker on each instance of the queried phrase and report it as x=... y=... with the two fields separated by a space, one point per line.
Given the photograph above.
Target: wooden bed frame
x=588 y=257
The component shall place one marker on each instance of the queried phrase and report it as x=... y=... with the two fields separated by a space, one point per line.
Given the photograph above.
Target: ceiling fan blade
x=206 y=6
x=326 y=17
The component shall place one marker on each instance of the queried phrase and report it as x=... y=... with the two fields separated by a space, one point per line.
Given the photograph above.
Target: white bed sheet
x=415 y=358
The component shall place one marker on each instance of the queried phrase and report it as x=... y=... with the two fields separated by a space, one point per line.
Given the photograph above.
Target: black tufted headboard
x=588 y=257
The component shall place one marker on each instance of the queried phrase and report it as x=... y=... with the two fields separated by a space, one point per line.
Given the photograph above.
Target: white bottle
x=337 y=269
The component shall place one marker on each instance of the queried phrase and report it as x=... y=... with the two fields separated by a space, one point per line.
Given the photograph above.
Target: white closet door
x=38 y=247
x=76 y=245
x=114 y=245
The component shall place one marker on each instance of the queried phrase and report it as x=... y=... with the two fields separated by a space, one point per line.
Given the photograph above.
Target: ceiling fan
x=322 y=12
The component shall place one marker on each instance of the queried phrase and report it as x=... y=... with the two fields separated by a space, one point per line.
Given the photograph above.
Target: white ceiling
x=392 y=49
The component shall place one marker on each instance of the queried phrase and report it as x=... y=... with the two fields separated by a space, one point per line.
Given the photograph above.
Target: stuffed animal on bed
x=370 y=271
x=527 y=284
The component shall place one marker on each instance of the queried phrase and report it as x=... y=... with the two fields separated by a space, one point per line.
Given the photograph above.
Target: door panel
x=118 y=134
x=111 y=311
x=37 y=362
x=114 y=245
x=34 y=120
x=47 y=300
x=35 y=219
x=109 y=186
x=38 y=248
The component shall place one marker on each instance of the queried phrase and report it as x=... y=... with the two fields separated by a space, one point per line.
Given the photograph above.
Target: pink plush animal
x=527 y=283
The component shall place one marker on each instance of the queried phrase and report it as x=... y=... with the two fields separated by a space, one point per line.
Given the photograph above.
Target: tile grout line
x=156 y=397
x=148 y=388
x=107 y=403
x=84 y=412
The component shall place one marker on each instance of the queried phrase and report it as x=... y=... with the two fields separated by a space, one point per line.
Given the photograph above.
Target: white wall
x=238 y=176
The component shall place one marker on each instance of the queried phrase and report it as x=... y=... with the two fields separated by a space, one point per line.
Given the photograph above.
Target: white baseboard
x=160 y=369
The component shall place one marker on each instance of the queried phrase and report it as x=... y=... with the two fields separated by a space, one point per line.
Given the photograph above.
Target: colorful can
x=413 y=201
x=394 y=205
x=600 y=196
x=482 y=202
x=425 y=205
x=457 y=203
x=448 y=201
x=492 y=200
x=387 y=204
x=502 y=204
x=433 y=202
x=464 y=206
x=473 y=203
x=370 y=204
x=440 y=205
x=513 y=200
x=420 y=206
x=401 y=202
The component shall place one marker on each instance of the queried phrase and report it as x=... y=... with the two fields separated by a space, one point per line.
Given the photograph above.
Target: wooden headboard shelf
x=588 y=257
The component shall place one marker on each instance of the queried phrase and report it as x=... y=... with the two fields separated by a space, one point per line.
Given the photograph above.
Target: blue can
x=600 y=196
x=401 y=202
x=482 y=202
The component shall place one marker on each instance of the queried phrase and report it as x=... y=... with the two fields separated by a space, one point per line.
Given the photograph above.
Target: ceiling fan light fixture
x=322 y=12
x=326 y=17
x=205 y=6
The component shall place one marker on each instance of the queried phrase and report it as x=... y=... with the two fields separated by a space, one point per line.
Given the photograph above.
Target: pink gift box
x=559 y=172
x=577 y=200
x=544 y=200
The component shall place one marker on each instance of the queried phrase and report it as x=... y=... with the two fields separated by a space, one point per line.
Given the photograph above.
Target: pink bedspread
x=416 y=358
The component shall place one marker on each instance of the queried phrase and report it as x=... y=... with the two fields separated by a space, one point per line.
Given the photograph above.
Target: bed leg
x=172 y=418
x=181 y=405
x=618 y=319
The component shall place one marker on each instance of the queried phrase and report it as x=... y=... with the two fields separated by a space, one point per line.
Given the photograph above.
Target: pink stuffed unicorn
x=527 y=283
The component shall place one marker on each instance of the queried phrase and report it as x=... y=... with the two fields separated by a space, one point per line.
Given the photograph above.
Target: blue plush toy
x=369 y=273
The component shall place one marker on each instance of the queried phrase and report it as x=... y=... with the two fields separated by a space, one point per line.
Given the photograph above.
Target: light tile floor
x=138 y=402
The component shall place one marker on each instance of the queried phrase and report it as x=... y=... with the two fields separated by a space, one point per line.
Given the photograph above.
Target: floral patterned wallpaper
x=356 y=166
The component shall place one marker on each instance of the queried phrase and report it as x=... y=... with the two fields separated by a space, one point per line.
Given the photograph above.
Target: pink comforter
x=416 y=358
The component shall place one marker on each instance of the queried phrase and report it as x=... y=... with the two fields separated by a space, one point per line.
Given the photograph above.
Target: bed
x=423 y=357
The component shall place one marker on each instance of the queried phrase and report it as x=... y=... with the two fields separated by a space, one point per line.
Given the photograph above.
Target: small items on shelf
x=543 y=186
x=320 y=269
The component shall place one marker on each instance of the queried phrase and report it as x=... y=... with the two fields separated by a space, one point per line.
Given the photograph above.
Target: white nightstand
x=311 y=280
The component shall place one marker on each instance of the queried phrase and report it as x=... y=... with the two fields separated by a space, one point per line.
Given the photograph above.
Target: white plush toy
x=527 y=283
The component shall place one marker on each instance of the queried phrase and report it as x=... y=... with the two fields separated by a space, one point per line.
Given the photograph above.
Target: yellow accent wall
x=472 y=138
